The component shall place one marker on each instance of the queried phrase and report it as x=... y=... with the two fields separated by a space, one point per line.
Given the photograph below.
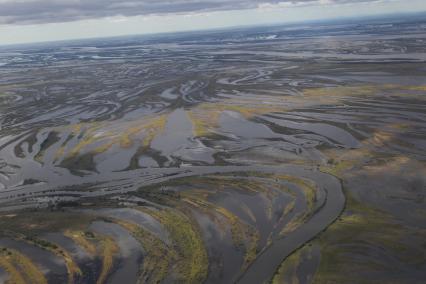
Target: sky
x=23 y=21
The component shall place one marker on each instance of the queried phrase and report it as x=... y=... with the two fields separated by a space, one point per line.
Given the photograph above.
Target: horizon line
x=332 y=20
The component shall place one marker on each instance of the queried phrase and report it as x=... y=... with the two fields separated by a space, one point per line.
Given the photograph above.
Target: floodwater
x=112 y=127
x=130 y=252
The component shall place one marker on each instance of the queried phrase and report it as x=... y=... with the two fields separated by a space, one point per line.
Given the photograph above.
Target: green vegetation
x=105 y=136
x=356 y=233
x=20 y=268
x=252 y=247
x=237 y=227
x=205 y=117
x=30 y=223
x=309 y=189
x=199 y=194
x=70 y=264
x=158 y=257
x=336 y=168
x=83 y=239
x=287 y=272
x=108 y=249
x=192 y=262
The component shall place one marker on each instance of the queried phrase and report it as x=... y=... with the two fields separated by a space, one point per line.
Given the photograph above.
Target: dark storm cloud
x=50 y=11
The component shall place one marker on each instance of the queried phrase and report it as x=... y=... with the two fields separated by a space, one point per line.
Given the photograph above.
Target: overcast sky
x=46 y=20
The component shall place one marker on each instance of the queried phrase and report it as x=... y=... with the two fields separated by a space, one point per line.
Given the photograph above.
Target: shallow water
x=130 y=252
x=77 y=125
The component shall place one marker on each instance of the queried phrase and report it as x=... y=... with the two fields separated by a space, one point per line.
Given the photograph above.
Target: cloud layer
x=51 y=11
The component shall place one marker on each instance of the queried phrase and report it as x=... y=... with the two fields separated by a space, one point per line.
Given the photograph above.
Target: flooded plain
x=259 y=155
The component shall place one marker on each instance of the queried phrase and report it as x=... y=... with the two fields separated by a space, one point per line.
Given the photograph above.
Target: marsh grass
x=20 y=268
